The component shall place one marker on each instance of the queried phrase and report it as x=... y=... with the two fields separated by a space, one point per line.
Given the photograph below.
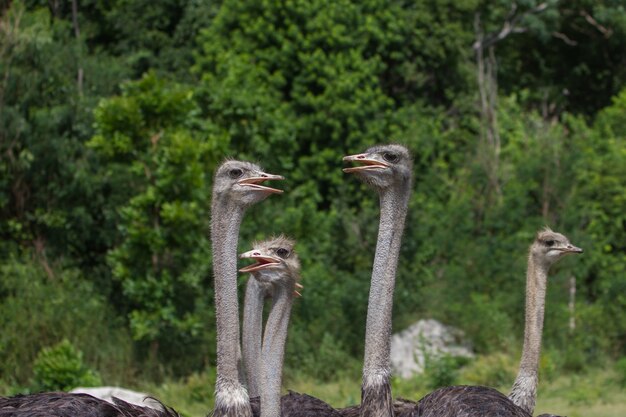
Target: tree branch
x=79 y=76
x=564 y=38
x=75 y=18
x=510 y=25
x=607 y=32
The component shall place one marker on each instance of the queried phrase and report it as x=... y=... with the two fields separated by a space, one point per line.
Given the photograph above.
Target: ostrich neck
x=253 y=333
x=230 y=396
x=376 y=390
x=524 y=391
x=274 y=349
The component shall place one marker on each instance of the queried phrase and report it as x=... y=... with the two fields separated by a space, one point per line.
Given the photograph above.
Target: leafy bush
x=61 y=367
x=548 y=365
x=329 y=360
x=495 y=370
x=583 y=392
x=191 y=396
x=199 y=387
x=57 y=307
x=620 y=368
x=443 y=371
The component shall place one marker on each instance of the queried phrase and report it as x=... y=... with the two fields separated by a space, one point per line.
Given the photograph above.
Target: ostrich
x=237 y=185
x=547 y=249
x=470 y=401
x=276 y=271
x=388 y=169
x=258 y=289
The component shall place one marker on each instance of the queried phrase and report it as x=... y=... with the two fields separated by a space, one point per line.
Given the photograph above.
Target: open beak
x=365 y=163
x=255 y=182
x=262 y=261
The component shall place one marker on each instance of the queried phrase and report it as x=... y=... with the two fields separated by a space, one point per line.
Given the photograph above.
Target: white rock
x=425 y=339
x=107 y=394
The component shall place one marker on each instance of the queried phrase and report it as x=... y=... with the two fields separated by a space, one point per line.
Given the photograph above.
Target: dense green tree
x=599 y=208
x=571 y=57
x=50 y=199
x=144 y=35
x=157 y=156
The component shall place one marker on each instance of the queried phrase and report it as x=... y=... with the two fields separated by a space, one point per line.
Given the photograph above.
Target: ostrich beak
x=572 y=249
x=366 y=163
x=255 y=182
x=262 y=261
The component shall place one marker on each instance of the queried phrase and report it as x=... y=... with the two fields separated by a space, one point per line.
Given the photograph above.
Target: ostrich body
x=64 y=404
x=388 y=169
x=237 y=185
x=474 y=401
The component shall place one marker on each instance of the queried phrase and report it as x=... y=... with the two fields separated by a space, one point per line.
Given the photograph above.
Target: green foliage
x=105 y=165
x=620 y=367
x=150 y=135
x=38 y=310
x=495 y=370
x=325 y=360
x=566 y=69
x=61 y=368
x=45 y=115
x=190 y=396
x=442 y=371
x=583 y=393
x=601 y=206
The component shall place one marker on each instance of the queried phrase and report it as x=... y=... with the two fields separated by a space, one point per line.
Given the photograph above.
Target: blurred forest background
x=114 y=115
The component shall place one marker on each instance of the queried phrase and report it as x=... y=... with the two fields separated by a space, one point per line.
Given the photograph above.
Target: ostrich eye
x=550 y=242
x=390 y=157
x=235 y=173
x=282 y=252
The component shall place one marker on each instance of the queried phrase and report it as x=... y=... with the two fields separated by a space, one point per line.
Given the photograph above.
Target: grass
x=596 y=393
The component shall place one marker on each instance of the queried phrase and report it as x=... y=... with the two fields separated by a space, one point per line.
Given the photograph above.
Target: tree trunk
x=79 y=76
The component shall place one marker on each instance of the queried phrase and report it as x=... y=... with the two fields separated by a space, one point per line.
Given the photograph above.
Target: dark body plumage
x=63 y=404
x=302 y=405
x=464 y=400
x=298 y=405
x=401 y=408
x=456 y=401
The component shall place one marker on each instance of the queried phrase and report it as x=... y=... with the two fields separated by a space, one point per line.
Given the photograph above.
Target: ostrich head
x=551 y=246
x=382 y=166
x=275 y=259
x=243 y=181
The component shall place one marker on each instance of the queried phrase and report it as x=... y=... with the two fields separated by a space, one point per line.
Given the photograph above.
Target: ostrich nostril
x=361 y=157
x=257 y=254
